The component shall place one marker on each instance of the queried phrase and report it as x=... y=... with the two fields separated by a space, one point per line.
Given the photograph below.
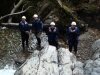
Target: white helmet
x=23 y=17
x=35 y=15
x=52 y=23
x=73 y=23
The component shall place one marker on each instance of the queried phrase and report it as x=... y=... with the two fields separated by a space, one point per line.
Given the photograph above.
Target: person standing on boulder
x=53 y=35
x=73 y=34
x=37 y=28
x=25 y=30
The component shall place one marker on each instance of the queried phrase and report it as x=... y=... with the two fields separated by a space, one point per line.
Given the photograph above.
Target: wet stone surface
x=11 y=50
x=10 y=47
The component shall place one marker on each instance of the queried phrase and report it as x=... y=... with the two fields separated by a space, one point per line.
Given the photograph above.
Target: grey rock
x=96 y=46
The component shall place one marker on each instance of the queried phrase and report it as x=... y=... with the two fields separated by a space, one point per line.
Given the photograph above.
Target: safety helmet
x=73 y=23
x=35 y=15
x=23 y=17
x=52 y=23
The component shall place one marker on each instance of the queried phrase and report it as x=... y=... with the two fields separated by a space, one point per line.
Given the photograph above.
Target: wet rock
x=18 y=63
x=88 y=66
x=32 y=42
x=78 y=71
x=50 y=61
x=27 y=66
x=96 y=56
x=41 y=64
x=92 y=67
x=95 y=73
x=53 y=62
x=96 y=46
x=44 y=40
x=96 y=63
x=79 y=64
x=66 y=61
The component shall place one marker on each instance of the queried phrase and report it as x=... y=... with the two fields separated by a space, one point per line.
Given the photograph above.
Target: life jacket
x=53 y=33
x=23 y=26
x=73 y=36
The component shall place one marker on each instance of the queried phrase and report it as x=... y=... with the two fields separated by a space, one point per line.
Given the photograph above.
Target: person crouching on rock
x=25 y=30
x=53 y=35
x=73 y=34
x=37 y=28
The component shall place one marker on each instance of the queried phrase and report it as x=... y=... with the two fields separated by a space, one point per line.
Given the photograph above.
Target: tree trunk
x=68 y=10
x=14 y=10
x=20 y=12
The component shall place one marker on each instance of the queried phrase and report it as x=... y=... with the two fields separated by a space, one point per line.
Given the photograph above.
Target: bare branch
x=14 y=4
x=2 y=17
x=24 y=5
x=15 y=8
x=12 y=24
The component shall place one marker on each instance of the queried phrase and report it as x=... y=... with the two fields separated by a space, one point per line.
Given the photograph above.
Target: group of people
x=37 y=29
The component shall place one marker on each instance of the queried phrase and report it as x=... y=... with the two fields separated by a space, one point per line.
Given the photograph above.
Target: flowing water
x=8 y=70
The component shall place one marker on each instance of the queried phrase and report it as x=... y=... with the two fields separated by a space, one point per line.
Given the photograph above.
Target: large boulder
x=96 y=49
x=96 y=46
x=41 y=64
x=78 y=69
x=88 y=67
x=65 y=56
x=92 y=67
x=96 y=56
x=30 y=64
x=96 y=63
x=50 y=61
x=66 y=61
